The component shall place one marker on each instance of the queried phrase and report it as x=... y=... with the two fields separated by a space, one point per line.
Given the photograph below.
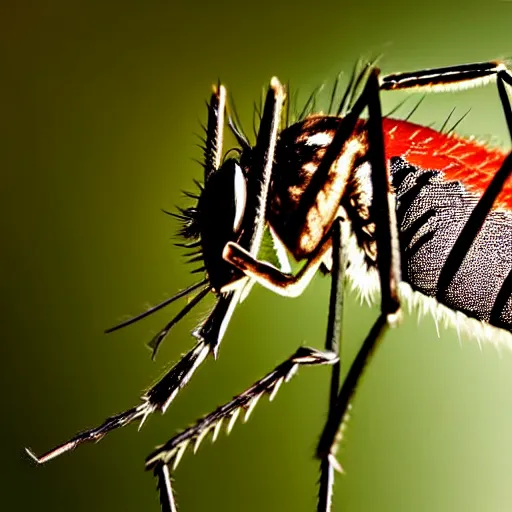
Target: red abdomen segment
x=463 y=160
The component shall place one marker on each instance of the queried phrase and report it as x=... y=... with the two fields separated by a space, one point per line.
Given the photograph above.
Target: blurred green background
x=99 y=104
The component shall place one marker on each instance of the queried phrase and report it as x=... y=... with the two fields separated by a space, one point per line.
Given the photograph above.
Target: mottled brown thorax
x=305 y=195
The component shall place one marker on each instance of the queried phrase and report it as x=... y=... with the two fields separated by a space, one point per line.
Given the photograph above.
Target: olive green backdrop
x=99 y=102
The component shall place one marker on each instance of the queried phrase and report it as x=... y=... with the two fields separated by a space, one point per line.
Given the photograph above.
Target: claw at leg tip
x=395 y=319
x=32 y=455
x=333 y=461
x=143 y=419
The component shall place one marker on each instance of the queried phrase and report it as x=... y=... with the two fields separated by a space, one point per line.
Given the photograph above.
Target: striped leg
x=388 y=263
x=287 y=285
x=167 y=457
x=386 y=237
x=448 y=78
x=436 y=79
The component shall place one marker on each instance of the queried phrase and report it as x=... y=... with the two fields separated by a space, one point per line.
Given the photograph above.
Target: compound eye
x=240 y=198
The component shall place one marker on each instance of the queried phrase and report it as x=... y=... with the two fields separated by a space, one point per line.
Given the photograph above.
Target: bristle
x=216 y=429
x=413 y=110
x=250 y=407
x=179 y=454
x=197 y=161
x=345 y=100
x=199 y=438
x=173 y=450
x=168 y=213
x=154 y=344
x=236 y=127
x=190 y=194
x=195 y=259
x=256 y=119
x=309 y=106
x=452 y=129
x=200 y=137
x=446 y=121
x=232 y=421
x=190 y=245
x=156 y=308
x=189 y=220
x=192 y=253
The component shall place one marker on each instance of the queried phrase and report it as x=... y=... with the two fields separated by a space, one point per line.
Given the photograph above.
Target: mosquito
x=397 y=209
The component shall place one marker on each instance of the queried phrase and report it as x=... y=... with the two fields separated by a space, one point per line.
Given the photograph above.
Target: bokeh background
x=98 y=108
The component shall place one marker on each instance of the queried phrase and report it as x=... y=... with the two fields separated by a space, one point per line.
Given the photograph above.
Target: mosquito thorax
x=302 y=208
x=220 y=214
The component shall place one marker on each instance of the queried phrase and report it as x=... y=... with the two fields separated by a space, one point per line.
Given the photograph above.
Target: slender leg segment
x=383 y=211
x=269 y=276
x=259 y=174
x=210 y=333
x=388 y=264
x=261 y=168
x=441 y=79
x=243 y=252
x=171 y=452
x=332 y=343
x=161 y=395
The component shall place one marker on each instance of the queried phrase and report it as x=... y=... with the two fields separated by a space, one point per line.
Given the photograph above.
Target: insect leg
x=160 y=395
x=504 y=294
x=455 y=77
x=386 y=235
x=269 y=276
x=292 y=286
x=260 y=170
x=446 y=78
x=214 y=131
x=170 y=454
x=332 y=343
x=157 y=398
x=388 y=263
x=288 y=285
x=258 y=182
x=209 y=334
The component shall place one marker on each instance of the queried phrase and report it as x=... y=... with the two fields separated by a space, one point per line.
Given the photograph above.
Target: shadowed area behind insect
x=99 y=105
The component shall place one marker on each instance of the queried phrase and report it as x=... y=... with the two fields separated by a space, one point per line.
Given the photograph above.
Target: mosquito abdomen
x=431 y=213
